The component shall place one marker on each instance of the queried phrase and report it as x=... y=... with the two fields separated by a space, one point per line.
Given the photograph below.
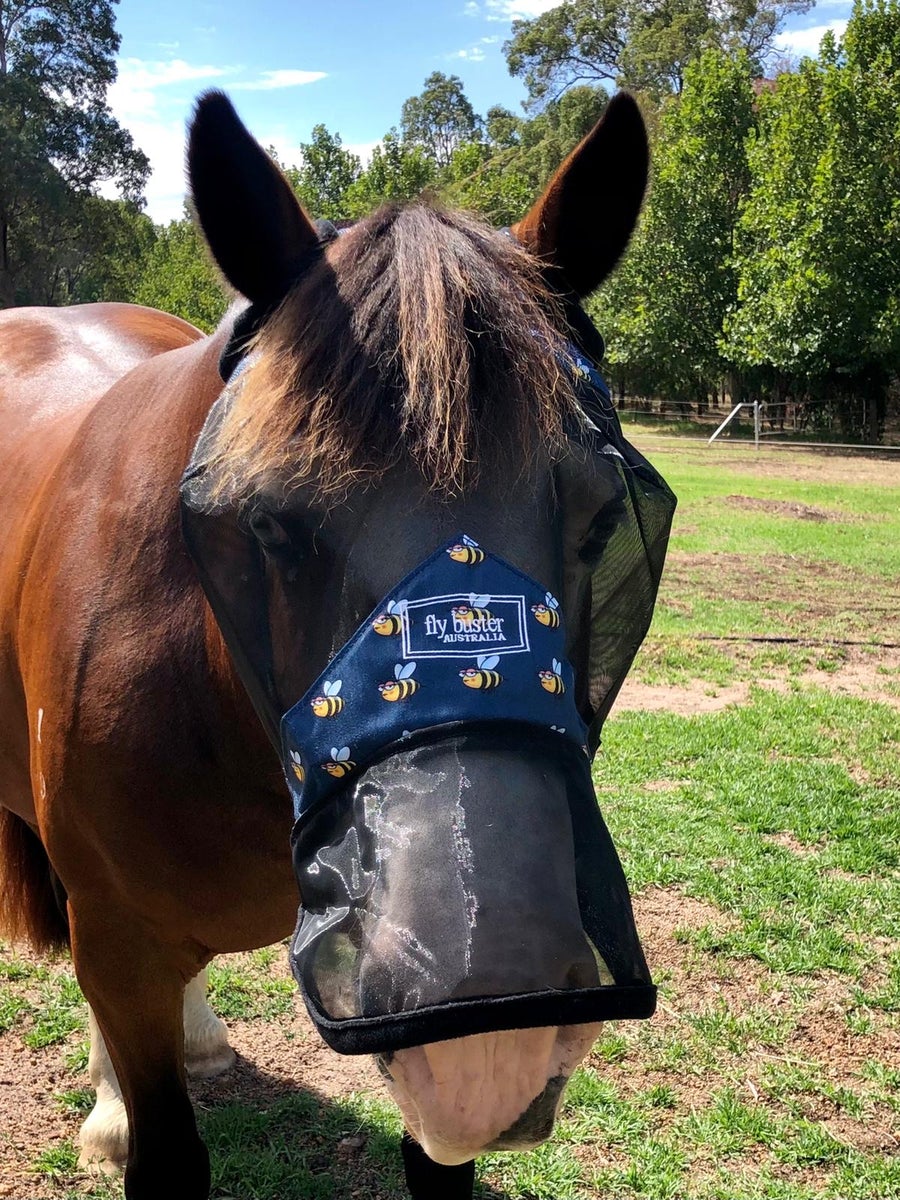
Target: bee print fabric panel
x=466 y=637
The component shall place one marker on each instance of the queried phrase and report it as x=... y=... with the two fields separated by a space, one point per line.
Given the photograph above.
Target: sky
x=291 y=64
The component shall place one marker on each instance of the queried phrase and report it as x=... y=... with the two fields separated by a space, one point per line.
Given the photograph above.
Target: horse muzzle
x=489 y=1091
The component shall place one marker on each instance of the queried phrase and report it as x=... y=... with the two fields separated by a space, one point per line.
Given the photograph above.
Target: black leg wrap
x=428 y=1180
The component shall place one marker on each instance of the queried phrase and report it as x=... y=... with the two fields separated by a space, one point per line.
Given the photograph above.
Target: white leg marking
x=206 y=1049
x=104 y=1135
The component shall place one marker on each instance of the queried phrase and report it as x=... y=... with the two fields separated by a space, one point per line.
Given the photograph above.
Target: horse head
x=433 y=557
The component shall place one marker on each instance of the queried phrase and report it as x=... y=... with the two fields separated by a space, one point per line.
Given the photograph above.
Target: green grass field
x=762 y=841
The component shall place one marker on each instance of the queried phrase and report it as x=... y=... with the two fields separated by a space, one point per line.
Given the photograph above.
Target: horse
x=399 y=383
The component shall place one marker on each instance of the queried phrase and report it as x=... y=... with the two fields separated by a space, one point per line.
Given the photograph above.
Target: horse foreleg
x=135 y=987
x=428 y=1180
x=104 y=1135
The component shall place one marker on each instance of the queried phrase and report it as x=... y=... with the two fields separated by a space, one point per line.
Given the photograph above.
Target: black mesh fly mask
x=427 y=898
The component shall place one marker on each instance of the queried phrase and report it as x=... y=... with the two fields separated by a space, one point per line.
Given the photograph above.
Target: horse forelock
x=420 y=335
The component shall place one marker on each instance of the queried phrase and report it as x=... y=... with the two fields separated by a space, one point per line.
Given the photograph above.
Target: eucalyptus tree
x=58 y=139
x=663 y=311
x=178 y=276
x=396 y=171
x=440 y=118
x=642 y=44
x=819 y=238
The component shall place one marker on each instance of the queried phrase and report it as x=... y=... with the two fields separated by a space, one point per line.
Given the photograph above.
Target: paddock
x=749 y=776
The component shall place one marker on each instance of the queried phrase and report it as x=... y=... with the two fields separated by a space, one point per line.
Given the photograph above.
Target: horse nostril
x=583 y=973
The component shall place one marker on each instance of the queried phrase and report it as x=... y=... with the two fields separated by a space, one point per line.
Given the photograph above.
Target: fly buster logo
x=463 y=624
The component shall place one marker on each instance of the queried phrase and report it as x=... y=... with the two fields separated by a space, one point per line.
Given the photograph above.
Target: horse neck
x=170 y=398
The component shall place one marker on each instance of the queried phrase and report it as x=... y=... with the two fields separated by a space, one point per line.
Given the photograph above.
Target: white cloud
x=269 y=80
x=806 y=41
x=511 y=10
x=150 y=100
x=473 y=54
x=362 y=150
x=134 y=92
x=153 y=99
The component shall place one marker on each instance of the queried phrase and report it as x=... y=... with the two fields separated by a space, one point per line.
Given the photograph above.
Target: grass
x=762 y=843
x=781 y=764
x=743 y=564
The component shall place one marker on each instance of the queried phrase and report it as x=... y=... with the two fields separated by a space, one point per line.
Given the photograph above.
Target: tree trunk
x=7 y=286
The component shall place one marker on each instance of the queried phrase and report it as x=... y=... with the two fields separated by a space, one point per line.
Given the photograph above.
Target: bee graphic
x=548 y=612
x=340 y=764
x=297 y=766
x=473 y=611
x=483 y=677
x=391 y=620
x=467 y=552
x=401 y=686
x=329 y=704
x=580 y=368
x=551 y=681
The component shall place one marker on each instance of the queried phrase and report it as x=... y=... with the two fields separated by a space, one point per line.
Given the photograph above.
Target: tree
x=110 y=256
x=663 y=312
x=325 y=174
x=440 y=119
x=178 y=276
x=395 y=172
x=58 y=139
x=819 y=238
x=636 y=44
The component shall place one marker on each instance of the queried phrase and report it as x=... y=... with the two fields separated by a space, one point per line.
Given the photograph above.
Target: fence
x=763 y=411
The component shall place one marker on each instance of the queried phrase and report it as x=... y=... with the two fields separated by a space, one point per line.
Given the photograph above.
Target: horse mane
x=420 y=334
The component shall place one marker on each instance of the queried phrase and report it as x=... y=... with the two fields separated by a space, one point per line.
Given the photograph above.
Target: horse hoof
x=215 y=1061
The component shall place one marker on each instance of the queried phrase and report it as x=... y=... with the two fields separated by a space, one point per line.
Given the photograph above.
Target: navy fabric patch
x=464 y=638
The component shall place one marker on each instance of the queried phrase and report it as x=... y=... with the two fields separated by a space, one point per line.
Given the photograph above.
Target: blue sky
x=346 y=63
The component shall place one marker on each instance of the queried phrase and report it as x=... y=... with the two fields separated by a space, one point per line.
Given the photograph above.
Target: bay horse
x=145 y=819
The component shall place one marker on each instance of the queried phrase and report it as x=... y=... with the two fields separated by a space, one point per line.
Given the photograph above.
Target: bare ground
x=277 y=1057
x=777 y=463
x=860 y=675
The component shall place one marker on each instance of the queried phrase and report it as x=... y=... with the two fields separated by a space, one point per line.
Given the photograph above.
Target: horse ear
x=582 y=222
x=257 y=231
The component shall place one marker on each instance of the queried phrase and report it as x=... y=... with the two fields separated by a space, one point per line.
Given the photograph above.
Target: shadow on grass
x=270 y=1139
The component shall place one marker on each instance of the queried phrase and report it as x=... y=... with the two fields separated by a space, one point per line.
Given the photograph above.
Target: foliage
x=439 y=119
x=397 y=171
x=819 y=238
x=325 y=173
x=179 y=277
x=767 y=263
x=635 y=44
x=58 y=141
x=663 y=311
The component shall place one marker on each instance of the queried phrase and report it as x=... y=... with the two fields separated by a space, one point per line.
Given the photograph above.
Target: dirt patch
x=816 y=1043
x=817 y=586
x=860 y=675
x=788 y=842
x=784 y=508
